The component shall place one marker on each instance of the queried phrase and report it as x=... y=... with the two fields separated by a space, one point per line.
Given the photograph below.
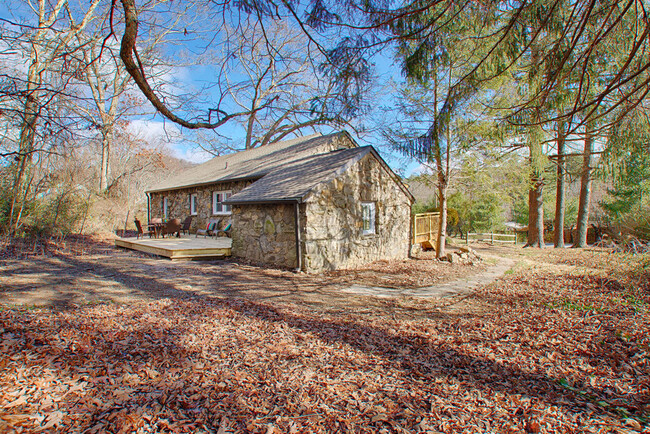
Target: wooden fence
x=425 y=232
x=425 y=228
x=491 y=238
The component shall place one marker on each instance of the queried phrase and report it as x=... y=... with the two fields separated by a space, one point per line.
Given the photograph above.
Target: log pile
x=627 y=244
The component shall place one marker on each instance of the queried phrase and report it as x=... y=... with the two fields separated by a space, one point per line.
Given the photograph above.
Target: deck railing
x=425 y=227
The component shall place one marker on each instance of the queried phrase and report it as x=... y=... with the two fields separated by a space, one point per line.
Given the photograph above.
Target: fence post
x=491 y=238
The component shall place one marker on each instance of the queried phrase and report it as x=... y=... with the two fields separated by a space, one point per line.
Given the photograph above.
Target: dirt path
x=461 y=286
x=120 y=276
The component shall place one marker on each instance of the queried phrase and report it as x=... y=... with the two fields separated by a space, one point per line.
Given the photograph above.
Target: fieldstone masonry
x=178 y=203
x=265 y=234
x=332 y=220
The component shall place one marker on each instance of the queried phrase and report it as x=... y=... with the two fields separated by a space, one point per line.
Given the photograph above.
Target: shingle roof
x=295 y=180
x=284 y=171
x=250 y=164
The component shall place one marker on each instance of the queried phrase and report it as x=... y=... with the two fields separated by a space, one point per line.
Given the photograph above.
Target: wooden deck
x=184 y=248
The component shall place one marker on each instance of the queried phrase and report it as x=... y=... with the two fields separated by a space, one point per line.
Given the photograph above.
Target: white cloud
x=155 y=132
x=191 y=154
x=421 y=169
x=169 y=135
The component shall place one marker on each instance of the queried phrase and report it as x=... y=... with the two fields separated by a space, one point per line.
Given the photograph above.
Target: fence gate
x=425 y=229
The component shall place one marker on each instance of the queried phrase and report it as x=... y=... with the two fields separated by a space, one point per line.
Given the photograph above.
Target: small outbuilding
x=313 y=203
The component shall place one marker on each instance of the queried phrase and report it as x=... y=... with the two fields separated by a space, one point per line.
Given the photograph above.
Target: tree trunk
x=107 y=139
x=442 y=224
x=536 y=211
x=249 y=129
x=582 y=224
x=126 y=222
x=558 y=224
x=26 y=149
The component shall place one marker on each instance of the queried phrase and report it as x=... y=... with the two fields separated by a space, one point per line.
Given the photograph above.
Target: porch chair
x=141 y=233
x=186 y=225
x=225 y=231
x=209 y=231
x=173 y=226
x=155 y=226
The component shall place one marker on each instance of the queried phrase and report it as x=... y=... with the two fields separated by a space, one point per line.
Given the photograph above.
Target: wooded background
x=506 y=105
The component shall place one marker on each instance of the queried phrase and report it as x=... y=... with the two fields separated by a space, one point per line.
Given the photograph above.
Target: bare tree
x=223 y=14
x=107 y=81
x=137 y=164
x=134 y=65
x=112 y=95
x=49 y=44
x=271 y=73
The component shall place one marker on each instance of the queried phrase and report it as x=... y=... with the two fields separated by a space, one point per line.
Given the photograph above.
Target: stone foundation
x=265 y=234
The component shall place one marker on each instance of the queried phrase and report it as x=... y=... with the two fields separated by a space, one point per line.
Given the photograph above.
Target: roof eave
x=264 y=201
x=203 y=184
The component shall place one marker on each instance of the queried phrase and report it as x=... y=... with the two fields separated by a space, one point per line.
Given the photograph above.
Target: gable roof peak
x=256 y=162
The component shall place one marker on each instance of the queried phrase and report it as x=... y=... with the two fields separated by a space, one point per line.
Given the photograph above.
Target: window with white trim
x=218 y=207
x=368 y=218
x=193 y=204
x=165 y=206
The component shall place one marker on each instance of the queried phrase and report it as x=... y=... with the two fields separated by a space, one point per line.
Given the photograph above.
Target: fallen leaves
x=529 y=362
x=412 y=273
x=21 y=400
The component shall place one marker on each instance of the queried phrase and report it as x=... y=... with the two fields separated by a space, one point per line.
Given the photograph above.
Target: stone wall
x=178 y=203
x=332 y=222
x=265 y=234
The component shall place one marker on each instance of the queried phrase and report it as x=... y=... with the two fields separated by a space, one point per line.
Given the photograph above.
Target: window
x=164 y=207
x=193 y=204
x=368 y=218
x=218 y=207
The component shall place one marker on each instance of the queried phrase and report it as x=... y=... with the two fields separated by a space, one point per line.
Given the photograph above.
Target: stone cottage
x=313 y=203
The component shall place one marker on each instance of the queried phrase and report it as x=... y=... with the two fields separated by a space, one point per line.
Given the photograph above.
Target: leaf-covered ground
x=561 y=344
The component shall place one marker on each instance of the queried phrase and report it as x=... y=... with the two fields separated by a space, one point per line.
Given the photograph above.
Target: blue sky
x=200 y=76
x=196 y=76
